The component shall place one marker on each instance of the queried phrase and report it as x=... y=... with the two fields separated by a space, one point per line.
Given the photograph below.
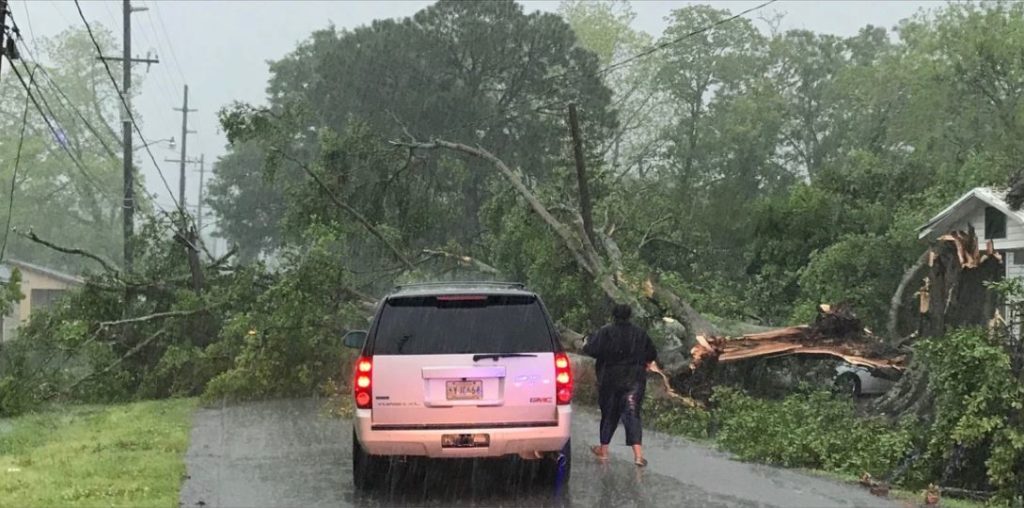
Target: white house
x=986 y=209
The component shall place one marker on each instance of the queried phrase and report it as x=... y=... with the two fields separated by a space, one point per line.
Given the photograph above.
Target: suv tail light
x=563 y=379
x=362 y=384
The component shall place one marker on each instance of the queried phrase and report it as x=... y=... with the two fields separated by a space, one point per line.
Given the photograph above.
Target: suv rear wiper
x=495 y=356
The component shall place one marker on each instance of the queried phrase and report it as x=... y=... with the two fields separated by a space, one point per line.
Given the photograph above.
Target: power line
x=128 y=111
x=63 y=97
x=170 y=44
x=14 y=177
x=662 y=45
x=69 y=107
x=81 y=168
x=626 y=61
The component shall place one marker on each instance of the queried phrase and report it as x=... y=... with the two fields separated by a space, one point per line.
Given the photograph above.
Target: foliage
x=861 y=270
x=90 y=209
x=124 y=455
x=484 y=73
x=979 y=410
x=667 y=416
x=814 y=430
x=288 y=342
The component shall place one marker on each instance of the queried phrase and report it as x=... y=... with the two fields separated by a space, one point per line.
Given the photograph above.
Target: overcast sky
x=220 y=48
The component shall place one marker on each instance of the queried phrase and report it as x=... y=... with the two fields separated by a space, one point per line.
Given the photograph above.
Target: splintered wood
x=836 y=332
x=967 y=251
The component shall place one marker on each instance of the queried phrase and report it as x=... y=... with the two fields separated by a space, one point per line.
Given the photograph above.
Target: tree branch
x=154 y=316
x=588 y=261
x=464 y=261
x=897 y=298
x=352 y=211
x=107 y=265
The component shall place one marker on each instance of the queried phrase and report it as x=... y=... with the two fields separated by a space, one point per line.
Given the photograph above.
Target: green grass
x=120 y=455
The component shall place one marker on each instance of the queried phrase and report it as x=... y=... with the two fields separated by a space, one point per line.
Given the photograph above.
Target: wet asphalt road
x=291 y=453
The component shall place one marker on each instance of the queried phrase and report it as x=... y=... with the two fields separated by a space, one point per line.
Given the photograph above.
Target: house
x=41 y=286
x=986 y=209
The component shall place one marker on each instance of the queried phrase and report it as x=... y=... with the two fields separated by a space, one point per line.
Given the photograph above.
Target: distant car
x=461 y=371
x=856 y=381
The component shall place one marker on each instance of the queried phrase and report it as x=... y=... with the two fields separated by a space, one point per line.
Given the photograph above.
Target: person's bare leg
x=638 y=453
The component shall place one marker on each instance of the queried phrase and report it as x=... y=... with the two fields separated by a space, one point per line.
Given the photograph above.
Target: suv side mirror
x=355 y=339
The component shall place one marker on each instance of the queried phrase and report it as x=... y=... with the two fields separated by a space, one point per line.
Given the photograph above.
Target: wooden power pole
x=3 y=31
x=184 y=153
x=128 y=212
x=199 y=202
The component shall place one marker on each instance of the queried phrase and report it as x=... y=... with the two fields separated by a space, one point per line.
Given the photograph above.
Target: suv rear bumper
x=427 y=442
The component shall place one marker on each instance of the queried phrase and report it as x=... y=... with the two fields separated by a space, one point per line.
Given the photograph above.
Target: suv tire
x=366 y=470
x=556 y=469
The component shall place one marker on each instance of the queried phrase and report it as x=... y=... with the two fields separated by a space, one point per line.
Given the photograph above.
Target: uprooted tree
x=836 y=333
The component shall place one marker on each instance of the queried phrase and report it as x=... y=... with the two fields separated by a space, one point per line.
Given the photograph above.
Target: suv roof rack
x=512 y=285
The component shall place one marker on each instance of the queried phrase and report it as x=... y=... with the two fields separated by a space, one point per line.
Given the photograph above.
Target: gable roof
x=990 y=196
x=49 y=272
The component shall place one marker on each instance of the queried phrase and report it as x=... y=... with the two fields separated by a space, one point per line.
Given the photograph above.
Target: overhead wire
x=628 y=60
x=56 y=134
x=163 y=78
x=128 y=112
x=14 y=176
x=662 y=45
x=167 y=38
x=63 y=100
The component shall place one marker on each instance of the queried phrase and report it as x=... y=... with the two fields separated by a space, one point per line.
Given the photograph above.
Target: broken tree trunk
x=835 y=333
x=953 y=294
x=955 y=289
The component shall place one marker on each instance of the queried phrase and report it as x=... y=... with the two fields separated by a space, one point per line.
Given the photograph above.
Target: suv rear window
x=462 y=324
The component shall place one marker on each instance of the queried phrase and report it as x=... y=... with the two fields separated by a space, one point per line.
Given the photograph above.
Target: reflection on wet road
x=291 y=453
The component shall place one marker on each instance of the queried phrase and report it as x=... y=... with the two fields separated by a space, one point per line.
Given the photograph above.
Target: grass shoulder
x=96 y=455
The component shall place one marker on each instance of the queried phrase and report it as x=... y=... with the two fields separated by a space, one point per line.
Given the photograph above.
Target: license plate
x=465 y=390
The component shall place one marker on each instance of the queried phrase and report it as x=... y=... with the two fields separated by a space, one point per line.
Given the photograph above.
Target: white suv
x=460 y=370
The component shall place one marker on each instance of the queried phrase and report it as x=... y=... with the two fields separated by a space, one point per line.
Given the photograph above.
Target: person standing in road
x=624 y=352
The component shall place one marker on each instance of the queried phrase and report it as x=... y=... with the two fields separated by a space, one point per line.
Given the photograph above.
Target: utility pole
x=128 y=212
x=3 y=31
x=184 y=157
x=199 y=211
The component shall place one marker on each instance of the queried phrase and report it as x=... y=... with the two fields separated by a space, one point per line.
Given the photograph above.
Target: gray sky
x=220 y=49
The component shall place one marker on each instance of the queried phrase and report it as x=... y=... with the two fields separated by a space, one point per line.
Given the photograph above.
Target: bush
x=978 y=433
x=289 y=342
x=862 y=270
x=668 y=416
x=814 y=430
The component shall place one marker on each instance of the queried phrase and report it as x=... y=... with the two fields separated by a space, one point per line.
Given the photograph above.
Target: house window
x=995 y=223
x=45 y=298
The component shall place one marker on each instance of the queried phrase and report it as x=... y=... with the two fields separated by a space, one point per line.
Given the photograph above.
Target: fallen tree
x=836 y=333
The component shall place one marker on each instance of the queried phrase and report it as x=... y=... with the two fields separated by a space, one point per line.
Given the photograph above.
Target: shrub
x=813 y=430
x=978 y=411
x=289 y=342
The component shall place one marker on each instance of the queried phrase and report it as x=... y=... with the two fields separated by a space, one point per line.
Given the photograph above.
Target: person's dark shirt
x=622 y=351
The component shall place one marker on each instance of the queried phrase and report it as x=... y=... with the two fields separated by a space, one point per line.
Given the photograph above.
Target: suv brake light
x=362 y=384
x=563 y=379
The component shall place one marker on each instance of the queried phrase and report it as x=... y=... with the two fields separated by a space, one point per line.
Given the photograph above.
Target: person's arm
x=650 y=351
x=592 y=346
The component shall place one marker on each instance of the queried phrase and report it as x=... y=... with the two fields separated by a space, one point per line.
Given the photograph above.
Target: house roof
x=991 y=196
x=5 y=271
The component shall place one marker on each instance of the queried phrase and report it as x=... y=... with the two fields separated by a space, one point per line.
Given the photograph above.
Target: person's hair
x=621 y=313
